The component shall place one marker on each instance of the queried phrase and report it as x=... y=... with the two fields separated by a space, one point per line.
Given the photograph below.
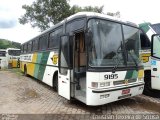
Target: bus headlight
x=100 y=84
x=104 y=84
x=94 y=84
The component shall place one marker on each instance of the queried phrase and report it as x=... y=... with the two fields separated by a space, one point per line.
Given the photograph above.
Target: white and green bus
x=150 y=31
x=88 y=56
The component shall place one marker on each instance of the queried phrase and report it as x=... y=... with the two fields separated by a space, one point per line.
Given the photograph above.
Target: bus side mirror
x=155 y=43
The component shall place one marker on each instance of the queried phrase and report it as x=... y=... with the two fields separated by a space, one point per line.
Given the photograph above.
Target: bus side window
x=22 y=49
x=43 y=41
x=54 y=38
x=29 y=46
x=35 y=45
x=25 y=48
x=145 y=42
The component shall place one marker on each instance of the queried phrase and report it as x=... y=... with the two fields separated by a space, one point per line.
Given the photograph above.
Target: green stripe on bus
x=132 y=74
x=145 y=27
x=43 y=64
x=36 y=71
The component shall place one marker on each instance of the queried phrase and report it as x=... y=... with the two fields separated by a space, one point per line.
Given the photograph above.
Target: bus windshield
x=2 y=53
x=14 y=52
x=107 y=44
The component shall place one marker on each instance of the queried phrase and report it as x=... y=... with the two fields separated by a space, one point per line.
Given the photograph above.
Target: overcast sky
x=132 y=10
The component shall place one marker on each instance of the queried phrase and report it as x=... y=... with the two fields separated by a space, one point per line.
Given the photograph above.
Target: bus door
x=64 y=68
x=155 y=62
x=79 y=66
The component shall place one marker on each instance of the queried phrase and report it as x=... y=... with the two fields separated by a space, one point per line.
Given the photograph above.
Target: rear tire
x=25 y=71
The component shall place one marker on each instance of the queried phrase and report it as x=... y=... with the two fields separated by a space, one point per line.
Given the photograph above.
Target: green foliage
x=116 y=14
x=8 y=44
x=45 y=13
x=76 y=9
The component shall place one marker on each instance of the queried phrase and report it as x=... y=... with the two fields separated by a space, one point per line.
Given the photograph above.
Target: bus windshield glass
x=14 y=52
x=107 y=44
x=2 y=53
x=132 y=44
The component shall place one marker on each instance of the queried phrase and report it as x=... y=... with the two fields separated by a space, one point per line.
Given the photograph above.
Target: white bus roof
x=86 y=14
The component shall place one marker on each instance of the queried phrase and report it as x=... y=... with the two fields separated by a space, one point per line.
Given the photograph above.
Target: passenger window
x=54 y=38
x=35 y=45
x=25 y=48
x=43 y=41
x=29 y=46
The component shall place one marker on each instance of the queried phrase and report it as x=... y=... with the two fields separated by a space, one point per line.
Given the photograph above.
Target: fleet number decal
x=111 y=76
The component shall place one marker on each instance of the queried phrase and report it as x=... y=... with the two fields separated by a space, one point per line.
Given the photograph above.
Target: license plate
x=126 y=91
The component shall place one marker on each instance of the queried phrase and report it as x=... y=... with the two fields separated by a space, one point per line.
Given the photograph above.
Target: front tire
x=25 y=71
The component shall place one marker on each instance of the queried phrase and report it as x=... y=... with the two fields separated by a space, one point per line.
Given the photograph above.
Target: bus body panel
x=127 y=80
x=155 y=62
x=145 y=56
x=40 y=65
x=155 y=73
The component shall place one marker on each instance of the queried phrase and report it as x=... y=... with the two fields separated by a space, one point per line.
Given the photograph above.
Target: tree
x=76 y=9
x=45 y=13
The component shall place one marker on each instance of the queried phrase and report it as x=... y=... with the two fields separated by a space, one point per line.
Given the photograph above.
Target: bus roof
x=86 y=14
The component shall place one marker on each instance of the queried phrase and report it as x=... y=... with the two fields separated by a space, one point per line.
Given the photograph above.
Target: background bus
x=3 y=60
x=150 y=30
x=13 y=57
x=91 y=57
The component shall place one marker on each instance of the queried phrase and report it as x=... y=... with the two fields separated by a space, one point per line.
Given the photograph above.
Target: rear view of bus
x=13 y=57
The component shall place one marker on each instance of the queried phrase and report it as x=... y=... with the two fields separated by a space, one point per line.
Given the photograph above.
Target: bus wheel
x=25 y=71
x=55 y=82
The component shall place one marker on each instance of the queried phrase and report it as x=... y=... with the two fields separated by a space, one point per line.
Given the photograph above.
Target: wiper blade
x=134 y=60
x=116 y=66
x=117 y=53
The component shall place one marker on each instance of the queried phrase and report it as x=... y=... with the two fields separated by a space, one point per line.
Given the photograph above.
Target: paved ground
x=24 y=95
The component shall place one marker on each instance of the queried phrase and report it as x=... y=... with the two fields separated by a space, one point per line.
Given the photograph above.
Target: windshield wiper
x=134 y=60
x=117 y=53
x=116 y=66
